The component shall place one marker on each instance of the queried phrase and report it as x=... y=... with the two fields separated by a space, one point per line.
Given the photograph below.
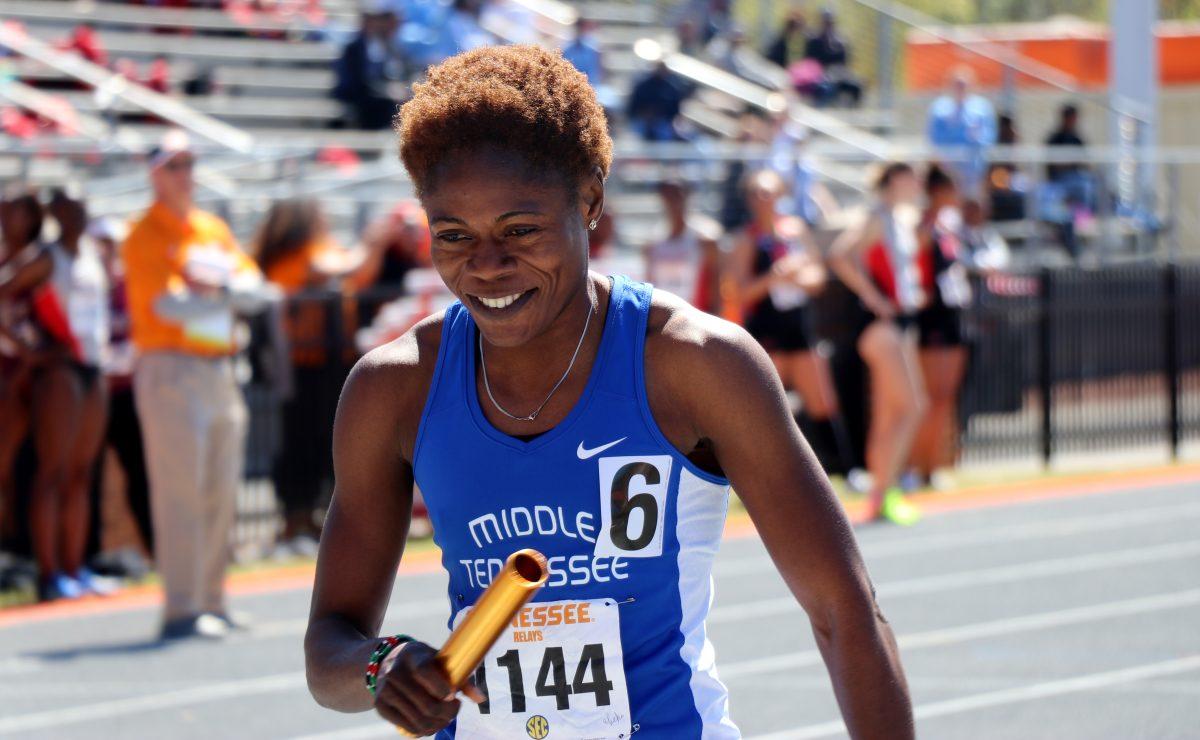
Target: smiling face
x=511 y=245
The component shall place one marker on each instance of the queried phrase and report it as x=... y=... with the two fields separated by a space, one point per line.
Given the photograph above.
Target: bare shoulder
x=387 y=388
x=679 y=332
x=694 y=359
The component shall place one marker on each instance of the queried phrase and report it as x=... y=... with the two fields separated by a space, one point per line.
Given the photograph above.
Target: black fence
x=1062 y=361
x=1078 y=360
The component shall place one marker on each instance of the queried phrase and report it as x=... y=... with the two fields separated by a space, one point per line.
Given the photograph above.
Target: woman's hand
x=880 y=306
x=412 y=691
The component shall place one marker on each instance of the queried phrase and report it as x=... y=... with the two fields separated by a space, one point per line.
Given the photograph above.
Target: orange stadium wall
x=1077 y=49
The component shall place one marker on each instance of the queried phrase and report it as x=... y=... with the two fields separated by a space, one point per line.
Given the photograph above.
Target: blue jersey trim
x=438 y=369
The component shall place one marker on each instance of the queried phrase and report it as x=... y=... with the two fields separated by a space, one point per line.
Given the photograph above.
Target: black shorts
x=87 y=375
x=940 y=326
x=780 y=331
x=902 y=321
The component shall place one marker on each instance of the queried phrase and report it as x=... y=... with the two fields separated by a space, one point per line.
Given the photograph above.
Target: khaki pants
x=194 y=424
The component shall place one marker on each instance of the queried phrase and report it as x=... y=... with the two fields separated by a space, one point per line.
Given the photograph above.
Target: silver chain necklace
x=488 y=386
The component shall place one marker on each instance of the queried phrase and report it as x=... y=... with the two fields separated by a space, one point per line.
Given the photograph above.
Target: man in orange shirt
x=186 y=280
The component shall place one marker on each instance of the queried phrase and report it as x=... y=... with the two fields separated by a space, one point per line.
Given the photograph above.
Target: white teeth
x=504 y=302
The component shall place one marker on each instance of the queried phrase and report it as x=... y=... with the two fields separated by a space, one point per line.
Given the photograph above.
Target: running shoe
x=898 y=509
x=236 y=621
x=910 y=480
x=96 y=584
x=207 y=626
x=59 y=586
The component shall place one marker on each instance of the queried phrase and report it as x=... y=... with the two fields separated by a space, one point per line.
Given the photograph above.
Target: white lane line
x=166 y=700
x=18 y=666
x=979 y=630
x=981 y=577
x=378 y=729
x=1041 y=529
x=291 y=681
x=1015 y=695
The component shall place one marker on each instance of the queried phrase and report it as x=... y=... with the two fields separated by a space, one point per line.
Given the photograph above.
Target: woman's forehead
x=482 y=193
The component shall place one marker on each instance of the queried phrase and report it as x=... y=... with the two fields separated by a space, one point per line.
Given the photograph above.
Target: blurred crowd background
x=958 y=170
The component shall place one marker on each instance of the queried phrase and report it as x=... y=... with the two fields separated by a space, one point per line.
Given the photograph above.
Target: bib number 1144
x=590 y=677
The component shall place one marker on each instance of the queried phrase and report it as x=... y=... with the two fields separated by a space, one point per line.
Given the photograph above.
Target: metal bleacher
x=271 y=82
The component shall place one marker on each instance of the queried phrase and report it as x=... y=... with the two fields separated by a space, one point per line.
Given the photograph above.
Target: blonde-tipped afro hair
x=523 y=99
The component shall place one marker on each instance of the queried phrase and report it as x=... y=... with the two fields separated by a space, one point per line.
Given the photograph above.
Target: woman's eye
x=451 y=238
x=522 y=230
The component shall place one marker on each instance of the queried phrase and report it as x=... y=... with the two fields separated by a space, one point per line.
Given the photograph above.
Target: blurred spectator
x=789 y=45
x=366 y=68
x=1069 y=194
x=943 y=347
x=655 y=103
x=84 y=41
x=81 y=283
x=687 y=32
x=584 y=51
x=830 y=50
x=1066 y=135
x=395 y=244
x=24 y=267
x=807 y=197
x=124 y=434
x=187 y=279
x=718 y=19
x=465 y=32
x=878 y=260
x=961 y=127
x=63 y=288
x=778 y=269
x=685 y=261
x=753 y=129
x=296 y=252
x=1006 y=185
x=203 y=81
x=700 y=21
x=158 y=76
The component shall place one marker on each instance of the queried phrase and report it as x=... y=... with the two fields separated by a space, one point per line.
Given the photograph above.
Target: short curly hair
x=520 y=98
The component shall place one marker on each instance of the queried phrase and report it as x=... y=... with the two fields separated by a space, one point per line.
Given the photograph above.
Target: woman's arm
x=751 y=288
x=798 y=516
x=845 y=259
x=25 y=271
x=363 y=540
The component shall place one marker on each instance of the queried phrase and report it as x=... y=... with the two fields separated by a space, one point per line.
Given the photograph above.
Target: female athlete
x=582 y=415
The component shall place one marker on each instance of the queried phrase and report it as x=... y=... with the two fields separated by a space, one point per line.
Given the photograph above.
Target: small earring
x=592 y=225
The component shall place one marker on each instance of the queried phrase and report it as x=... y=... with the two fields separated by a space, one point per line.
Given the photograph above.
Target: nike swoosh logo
x=584 y=453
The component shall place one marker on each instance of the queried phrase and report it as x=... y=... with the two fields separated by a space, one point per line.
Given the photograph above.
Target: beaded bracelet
x=386 y=645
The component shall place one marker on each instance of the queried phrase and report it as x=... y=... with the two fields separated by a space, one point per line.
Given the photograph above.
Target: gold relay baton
x=523 y=574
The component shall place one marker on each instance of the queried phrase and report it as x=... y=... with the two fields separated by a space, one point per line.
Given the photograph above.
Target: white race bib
x=556 y=672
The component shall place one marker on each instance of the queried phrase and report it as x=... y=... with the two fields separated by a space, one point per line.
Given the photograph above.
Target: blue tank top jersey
x=615 y=643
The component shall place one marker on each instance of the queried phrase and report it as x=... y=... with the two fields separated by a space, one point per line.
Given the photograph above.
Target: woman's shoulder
x=692 y=351
x=407 y=357
x=388 y=385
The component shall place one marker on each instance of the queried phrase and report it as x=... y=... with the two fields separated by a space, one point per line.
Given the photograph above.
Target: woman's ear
x=591 y=196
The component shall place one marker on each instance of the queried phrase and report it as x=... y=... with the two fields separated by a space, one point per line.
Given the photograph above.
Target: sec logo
x=537 y=727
